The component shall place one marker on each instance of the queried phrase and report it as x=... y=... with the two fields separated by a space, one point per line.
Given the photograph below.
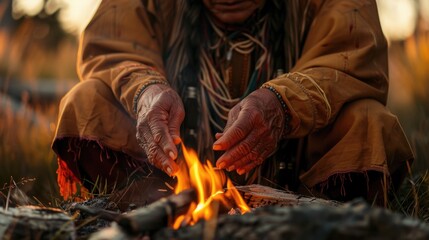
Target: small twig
x=414 y=192
x=8 y=194
x=101 y=213
x=38 y=201
x=21 y=182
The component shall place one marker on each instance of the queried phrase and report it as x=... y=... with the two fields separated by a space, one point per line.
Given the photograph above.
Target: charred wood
x=32 y=222
x=356 y=220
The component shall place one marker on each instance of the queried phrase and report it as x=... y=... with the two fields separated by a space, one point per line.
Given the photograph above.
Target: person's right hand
x=160 y=113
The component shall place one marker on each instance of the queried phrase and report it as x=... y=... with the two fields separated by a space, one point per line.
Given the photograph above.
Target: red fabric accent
x=70 y=186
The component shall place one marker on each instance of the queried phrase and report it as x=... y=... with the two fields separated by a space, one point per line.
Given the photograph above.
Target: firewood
x=157 y=215
x=356 y=220
x=258 y=196
x=146 y=220
x=33 y=222
x=293 y=217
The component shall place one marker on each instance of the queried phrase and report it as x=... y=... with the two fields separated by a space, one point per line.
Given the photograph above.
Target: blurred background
x=38 y=45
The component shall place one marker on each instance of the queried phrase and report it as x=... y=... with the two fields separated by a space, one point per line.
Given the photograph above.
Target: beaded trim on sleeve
x=142 y=89
x=286 y=110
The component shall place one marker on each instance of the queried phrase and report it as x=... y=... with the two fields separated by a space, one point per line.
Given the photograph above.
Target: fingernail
x=216 y=147
x=231 y=168
x=177 y=140
x=171 y=154
x=169 y=171
x=222 y=165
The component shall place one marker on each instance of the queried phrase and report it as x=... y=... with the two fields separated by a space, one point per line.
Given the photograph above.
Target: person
x=290 y=94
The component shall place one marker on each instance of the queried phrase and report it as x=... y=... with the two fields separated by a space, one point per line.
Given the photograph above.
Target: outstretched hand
x=252 y=132
x=160 y=112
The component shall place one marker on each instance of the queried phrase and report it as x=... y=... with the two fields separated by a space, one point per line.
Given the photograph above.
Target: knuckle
x=263 y=128
x=244 y=148
x=254 y=154
x=239 y=131
x=259 y=161
x=152 y=153
x=254 y=112
x=157 y=136
x=253 y=140
x=244 y=161
x=233 y=112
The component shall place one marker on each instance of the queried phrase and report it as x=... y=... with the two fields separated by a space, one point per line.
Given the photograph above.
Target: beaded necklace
x=218 y=100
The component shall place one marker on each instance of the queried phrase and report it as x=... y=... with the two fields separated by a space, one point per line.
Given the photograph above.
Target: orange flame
x=209 y=185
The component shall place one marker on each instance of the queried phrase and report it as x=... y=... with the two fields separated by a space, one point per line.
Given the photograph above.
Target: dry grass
x=26 y=134
x=409 y=99
x=412 y=199
x=33 y=51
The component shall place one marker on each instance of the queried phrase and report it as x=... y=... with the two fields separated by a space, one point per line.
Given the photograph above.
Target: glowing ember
x=209 y=184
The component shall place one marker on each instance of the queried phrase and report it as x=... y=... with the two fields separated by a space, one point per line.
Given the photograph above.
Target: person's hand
x=252 y=131
x=160 y=112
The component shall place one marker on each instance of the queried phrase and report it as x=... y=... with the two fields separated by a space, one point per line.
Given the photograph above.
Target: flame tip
x=208 y=182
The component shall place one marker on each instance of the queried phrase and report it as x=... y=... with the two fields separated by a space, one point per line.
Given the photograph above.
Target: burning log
x=157 y=215
x=149 y=219
x=145 y=220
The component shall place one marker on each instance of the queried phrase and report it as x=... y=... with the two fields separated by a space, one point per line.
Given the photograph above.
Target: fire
x=209 y=185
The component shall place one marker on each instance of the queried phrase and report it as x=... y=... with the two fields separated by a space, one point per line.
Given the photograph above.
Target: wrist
x=142 y=89
x=285 y=109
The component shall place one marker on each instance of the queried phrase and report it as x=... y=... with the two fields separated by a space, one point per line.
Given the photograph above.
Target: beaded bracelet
x=142 y=89
x=285 y=108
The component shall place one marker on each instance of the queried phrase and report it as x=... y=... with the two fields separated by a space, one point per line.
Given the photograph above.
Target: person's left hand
x=252 y=132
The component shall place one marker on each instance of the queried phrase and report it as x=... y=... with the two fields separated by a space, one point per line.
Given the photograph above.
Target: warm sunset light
x=74 y=15
x=77 y=13
x=209 y=184
x=29 y=7
x=398 y=18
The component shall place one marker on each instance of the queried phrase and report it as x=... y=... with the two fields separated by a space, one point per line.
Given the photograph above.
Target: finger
x=155 y=154
x=239 y=151
x=247 y=168
x=232 y=117
x=161 y=135
x=169 y=166
x=254 y=163
x=218 y=135
x=236 y=133
x=252 y=156
x=177 y=115
x=164 y=163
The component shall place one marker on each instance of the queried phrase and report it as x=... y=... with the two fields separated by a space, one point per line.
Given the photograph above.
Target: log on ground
x=356 y=220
